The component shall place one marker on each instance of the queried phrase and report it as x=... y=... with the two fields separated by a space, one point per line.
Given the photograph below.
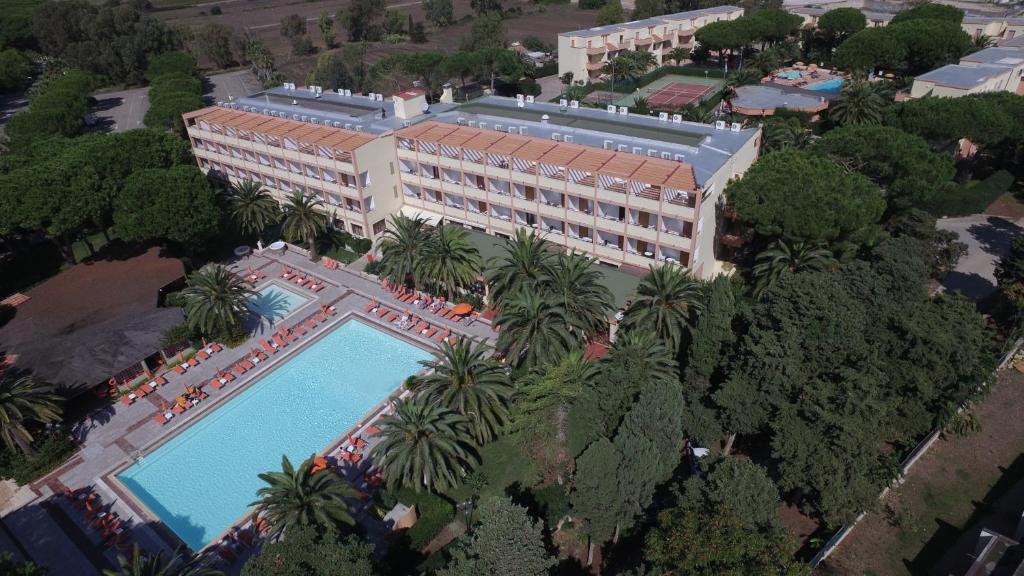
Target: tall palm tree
x=216 y=301
x=678 y=54
x=466 y=380
x=765 y=61
x=534 y=328
x=643 y=351
x=575 y=283
x=641 y=105
x=449 y=261
x=858 y=103
x=525 y=263
x=252 y=207
x=664 y=300
x=782 y=256
x=178 y=563
x=783 y=133
x=424 y=444
x=303 y=221
x=402 y=246
x=22 y=402
x=301 y=497
x=547 y=387
x=981 y=42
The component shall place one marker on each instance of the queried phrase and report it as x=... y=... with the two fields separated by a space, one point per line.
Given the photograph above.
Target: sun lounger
x=226 y=375
x=178 y=409
x=443 y=335
x=215 y=384
x=298 y=329
x=146 y=388
x=287 y=274
x=393 y=317
x=160 y=419
x=159 y=381
x=330 y=310
x=430 y=333
x=140 y=393
x=371 y=306
x=238 y=369
x=371 y=430
x=421 y=327
x=202 y=355
x=179 y=369
x=381 y=311
x=301 y=280
x=193 y=362
x=452 y=339
x=320 y=317
x=266 y=346
x=279 y=341
x=247 y=364
x=310 y=323
x=126 y=400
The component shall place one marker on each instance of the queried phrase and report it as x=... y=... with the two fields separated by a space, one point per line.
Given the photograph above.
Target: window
x=357 y=230
x=378 y=226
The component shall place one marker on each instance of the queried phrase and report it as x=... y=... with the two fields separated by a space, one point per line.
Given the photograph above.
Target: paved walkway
x=54 y=533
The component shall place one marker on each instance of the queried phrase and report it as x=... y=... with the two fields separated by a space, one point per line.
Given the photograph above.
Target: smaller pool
x=832 y=86
x=274 y=302
x=789 y=75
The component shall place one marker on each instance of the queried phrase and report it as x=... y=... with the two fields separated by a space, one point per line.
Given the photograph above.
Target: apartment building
x=585 y=52
x=625 y=189
x=989 y=70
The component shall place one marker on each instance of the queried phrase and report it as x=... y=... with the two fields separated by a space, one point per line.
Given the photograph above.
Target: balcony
x=596 y=50
x=595 y=66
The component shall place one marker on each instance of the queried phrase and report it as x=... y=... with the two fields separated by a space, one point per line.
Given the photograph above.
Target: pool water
x=203 y=480
x=274 y=302
x=832 y=86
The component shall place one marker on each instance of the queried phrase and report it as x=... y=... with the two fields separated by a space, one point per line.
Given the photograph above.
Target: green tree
x=534 y=328
x=487 y=31
x=678 y=54
x=486 y=7
x=303 y=220
x=797 y=195
x=10 y=566
x=174 y=204
x=857 y=103
x=506 y=542
x=325 y=24
x=306 y=553
x=739 y=485
x=649 y=9
x=424 y=444
x=449 y=261
x=782 y=257
x=630 y=64
x=576 y=285
x=300 y=497
x=549 y=387
x=610 y=13
x=930 y=11
x=252 y=207
x=595 y=492
x=526 y=261
x=869 y=50
x=841 y=23
x=1010 y=274
x=361 y=19
x=930 y=43
x=24 y=403
x=465 y=379
x=216 y=301
x=665 y=298
x=402 y=246
x=710 y=333
x=440 y=13
x=215 y=40
x=15 y=69
x=783 y=133
x=178 y=563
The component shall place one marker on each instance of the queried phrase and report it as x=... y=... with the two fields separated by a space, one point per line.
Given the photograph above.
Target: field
x=262 y=17
x=922 y=528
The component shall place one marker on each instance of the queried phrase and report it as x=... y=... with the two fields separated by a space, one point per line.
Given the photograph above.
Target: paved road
x=550 y=87
x=231 y=85
x=987 y=238
x=121 y=110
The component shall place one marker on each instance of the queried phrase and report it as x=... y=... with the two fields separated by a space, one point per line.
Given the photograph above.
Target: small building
x=988 y=70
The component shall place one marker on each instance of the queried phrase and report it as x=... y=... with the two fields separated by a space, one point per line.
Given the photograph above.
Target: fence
x=908 y=463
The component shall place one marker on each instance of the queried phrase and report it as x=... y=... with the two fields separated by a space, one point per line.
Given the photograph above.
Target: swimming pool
x=203 y=480
x=832 y=86
x=274 y=302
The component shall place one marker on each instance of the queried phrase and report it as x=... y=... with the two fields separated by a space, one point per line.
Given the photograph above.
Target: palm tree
x=693 y=113
x=301 y=497
x=981 y=42
x=449 y=260
x=765 y=61
x=526 y=262
x=783 y=133
x=303 y=221
x=574 y=92
x=743 y=77
x=467 y=381
x=216 y=301
x=548 y=387
x=664 y=299
x=575 y=284
x=23 y=401
x=782 y=256
x=534 y=328
x=678 y=54
x=423 y=444
x=641 y=105
x=252 y=207
x=643 y=352
x=858 y=103
x=401 y=248
x=179 y=563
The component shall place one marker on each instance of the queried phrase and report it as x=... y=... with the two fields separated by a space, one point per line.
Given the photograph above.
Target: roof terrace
x=655 y=21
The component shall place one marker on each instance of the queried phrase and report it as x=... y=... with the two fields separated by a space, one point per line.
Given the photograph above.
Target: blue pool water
x=274 y=302
x=832 y=86
x=203 y=480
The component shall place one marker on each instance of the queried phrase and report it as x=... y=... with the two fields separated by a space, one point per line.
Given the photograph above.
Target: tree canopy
x=174 y=204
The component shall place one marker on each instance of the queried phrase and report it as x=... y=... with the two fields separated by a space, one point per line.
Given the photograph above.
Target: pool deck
x=54 y=533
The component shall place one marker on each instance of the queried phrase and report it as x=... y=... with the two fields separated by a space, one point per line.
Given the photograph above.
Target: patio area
x=53 y=531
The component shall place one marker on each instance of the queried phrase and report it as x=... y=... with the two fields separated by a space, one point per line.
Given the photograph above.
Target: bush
x=970 y=198
x=52 y=450
x=475 y=300
x=553 y=502
x=360 y=245
x=171 y=63
x=176 y=334
x=373 y=267
x=592 y=4
x=433 y=514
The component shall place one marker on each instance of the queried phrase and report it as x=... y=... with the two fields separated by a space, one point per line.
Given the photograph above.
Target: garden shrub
x=176 y=335
x=51 y=450
x=970 y=198
x=433 y=513
x=373 y=267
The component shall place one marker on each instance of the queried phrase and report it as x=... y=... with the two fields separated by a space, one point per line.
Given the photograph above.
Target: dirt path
x=952 y=487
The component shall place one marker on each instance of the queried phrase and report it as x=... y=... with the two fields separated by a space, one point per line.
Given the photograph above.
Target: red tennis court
x=678 y=94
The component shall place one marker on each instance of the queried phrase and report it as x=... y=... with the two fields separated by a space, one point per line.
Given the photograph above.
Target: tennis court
x=674 y=91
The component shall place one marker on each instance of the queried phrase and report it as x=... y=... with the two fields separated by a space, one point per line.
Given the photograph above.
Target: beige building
x=627 y=190
x=988 y=70
x=585 y=52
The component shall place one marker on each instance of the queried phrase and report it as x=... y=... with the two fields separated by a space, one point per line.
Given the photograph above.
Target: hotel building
x=585 y=52
x=989 y=70
x=625 y=189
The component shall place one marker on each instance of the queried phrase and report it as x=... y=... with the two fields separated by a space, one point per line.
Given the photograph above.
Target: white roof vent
x=663 y=116
x=611 y=109
x=623 y=110
x=522 y=130
x=556 y=136
x=471 y=123
x=638 y=150
x=623 y=148
x=563 y=102
x=568 y=138
x=574 y=104
x=483 y=125
x=337 y=124
x=379 y=98
x=666 y=155
x=652 y=153
x=545 y=118
x=498 y=127
x=529 y=100
x=608 y=145
x=735 y=127
x=520 y=98
x=348 y=92
x=720 y=125
x=461 y=121
x=677 y=118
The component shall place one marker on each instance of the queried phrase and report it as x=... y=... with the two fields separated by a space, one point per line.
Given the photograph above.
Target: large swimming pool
x=203 y=480
x=274 y=302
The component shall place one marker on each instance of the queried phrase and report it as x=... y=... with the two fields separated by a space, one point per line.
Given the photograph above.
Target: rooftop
x=960 y=76
x=657 y=20
x=1001 y=56
x=703 y=146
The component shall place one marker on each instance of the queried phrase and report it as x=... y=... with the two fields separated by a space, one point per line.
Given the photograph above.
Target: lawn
x=98 y=241
x=919 y=529
x=502 y=465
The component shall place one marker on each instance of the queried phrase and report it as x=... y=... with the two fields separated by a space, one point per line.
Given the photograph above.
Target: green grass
x=342 y=255
x=81 y=251
x=502 y=465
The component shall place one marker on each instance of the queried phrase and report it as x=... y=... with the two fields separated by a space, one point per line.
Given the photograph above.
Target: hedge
x=51 y=450
x=970 y=198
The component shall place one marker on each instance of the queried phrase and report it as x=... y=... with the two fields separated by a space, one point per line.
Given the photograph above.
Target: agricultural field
x=263 y=17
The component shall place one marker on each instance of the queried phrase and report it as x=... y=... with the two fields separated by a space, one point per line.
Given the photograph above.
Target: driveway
x=230 y=85
x=121 y=110
x=550 y=87
x=988 y=239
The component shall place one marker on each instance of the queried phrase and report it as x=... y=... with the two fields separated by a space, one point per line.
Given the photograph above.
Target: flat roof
x=342 y=139
x=960 y=76
x=655 y=21
x=701 y=145
x=999 y=56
